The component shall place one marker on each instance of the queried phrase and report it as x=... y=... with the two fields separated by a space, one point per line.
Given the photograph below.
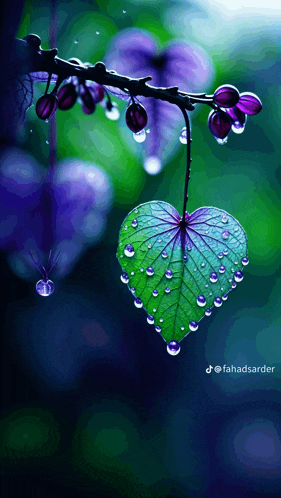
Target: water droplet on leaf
x=201 y=301
x=208 y=312
x=158 y=328
x=129 y=251
x=167 y=290
x=224 y=297
x=221 y=269
x=138 y=303
x=149 y=271
x=164 y=254
x=161 y=320
x=244 y=261
x=155 y=292
x=224 y=219
x=135 y=223
x=217 y=302
x=225 y=252
x=225 y=234
x=124 y=278
x=173 y=348
x=150 y=319
x=193 y=326
x=213 y=277
x=238 y=276
x=168 y=274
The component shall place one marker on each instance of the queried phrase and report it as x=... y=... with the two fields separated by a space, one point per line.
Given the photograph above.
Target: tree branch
x=34 y=59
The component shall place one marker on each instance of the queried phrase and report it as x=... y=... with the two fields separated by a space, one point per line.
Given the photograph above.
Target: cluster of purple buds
x=231 y=112
x=86 y=92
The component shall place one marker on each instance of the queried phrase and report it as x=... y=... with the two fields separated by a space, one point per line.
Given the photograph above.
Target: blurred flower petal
x=42 y=76
x=134 y=53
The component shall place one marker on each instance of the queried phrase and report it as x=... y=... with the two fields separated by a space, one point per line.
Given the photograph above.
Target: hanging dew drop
x=129 y=251
x=149 y=271
x=135 y=223
x=183 y=136
x=224 y=219
x=213 y=277
x=193 y=326
x=225 y=234
x=45 y=287
x=221 y=141
x=173 y=348
x=158 y=328
x=138 y=303
x=244 y=261
x=124 y=278
x=167 y=290
x=217 y=302
x=238 y=276
x=201 y=301
x=164 y=255
x=140 y=136
x=208 y=312
x=155 y=292
x=150 y=319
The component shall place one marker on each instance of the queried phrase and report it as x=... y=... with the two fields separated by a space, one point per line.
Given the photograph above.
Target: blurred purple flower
x=64 y=214
x=135 y=53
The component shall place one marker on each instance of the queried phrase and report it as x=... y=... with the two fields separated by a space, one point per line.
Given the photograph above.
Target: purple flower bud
x=249 y=103
x=88 y=98
x=136 y=117
x=67 y=97
x=46 y=106
x=219 y=124
x=238 y=117
x=226 y=96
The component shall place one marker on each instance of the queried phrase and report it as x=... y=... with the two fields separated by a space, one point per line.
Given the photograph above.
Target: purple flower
x=226 y=96
x=67 y=97
x=135 y=53
x=39 y=215
x=136 y=117
x=46 y=106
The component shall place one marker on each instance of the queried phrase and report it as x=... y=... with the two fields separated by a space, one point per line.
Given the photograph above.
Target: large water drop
x=221 y=269
x=150 y=319
x=217 y=302
x=168 y=274
x=45 y=287
x=244 y=261
x=135 y=223
x=173 y=348
x=225 y=234
x=164 y=254
x=238 y=276
x=140 y=136
x=208 y=312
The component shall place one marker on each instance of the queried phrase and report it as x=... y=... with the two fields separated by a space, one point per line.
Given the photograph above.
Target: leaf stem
x=187 y=176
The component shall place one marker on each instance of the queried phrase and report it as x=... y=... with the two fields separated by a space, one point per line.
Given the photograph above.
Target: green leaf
x=153 y=235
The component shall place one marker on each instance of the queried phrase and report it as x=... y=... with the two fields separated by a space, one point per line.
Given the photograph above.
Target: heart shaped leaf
x=179 y=270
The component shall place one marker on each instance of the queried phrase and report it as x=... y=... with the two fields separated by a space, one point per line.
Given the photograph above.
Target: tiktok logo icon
x=209 y=369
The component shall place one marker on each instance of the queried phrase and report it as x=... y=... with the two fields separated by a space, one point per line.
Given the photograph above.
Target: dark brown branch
x=34 y=59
